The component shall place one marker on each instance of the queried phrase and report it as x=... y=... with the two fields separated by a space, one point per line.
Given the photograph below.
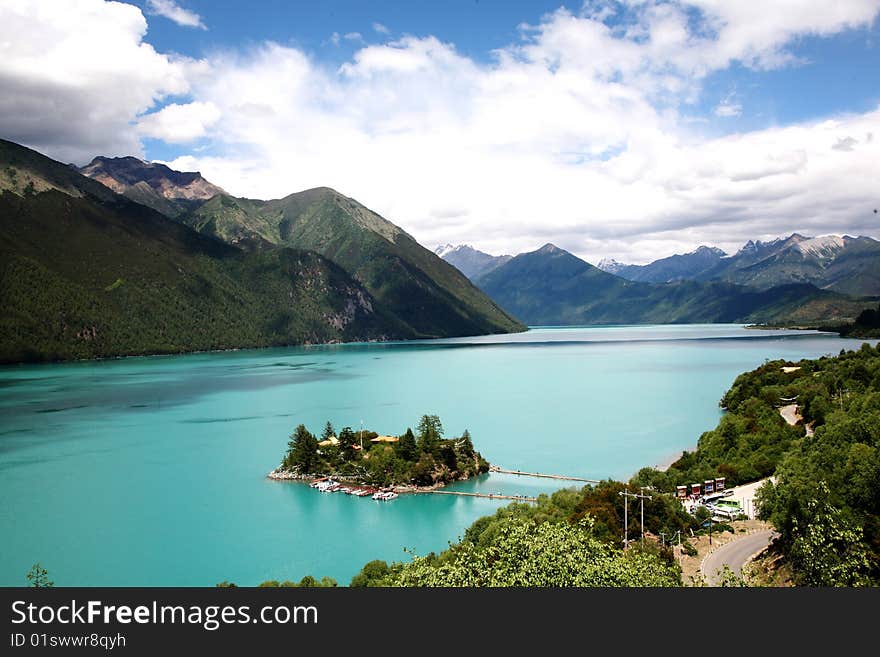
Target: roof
x=384 y=439
x=332 y=440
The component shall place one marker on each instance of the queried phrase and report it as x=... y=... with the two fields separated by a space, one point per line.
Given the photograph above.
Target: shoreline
x=665 y=463
x=285 y=475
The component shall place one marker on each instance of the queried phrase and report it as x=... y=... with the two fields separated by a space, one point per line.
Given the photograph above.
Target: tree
x=39 y=577
x=328 y=432
x=430 y=433
x=830 y=550
x=347 y=441
x=548 y=554
x=465 y=445
x=406 y=447
x=303 y=453
x=373 y=573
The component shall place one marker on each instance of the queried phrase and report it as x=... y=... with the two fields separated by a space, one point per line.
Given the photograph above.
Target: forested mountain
x=551 y=286
x=430 y=296
x=89 y=273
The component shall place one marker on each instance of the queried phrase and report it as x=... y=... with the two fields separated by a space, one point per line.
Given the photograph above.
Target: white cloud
x=74 y=75
x=381 y=29
x=174 y=12
x=580 y=134
x=180 y=124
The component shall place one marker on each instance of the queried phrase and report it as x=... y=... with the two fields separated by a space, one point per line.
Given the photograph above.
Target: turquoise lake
x=151 y=471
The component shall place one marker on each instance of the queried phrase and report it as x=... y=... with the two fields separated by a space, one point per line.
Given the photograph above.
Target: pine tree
x=406 y=446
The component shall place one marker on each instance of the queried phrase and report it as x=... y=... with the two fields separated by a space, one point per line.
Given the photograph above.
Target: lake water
x=151 y=471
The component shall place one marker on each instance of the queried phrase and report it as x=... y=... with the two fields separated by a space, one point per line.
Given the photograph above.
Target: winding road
x=735 y=554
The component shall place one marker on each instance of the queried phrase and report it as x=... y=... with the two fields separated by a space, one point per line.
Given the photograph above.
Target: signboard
x=719 y=483
x=708 y=486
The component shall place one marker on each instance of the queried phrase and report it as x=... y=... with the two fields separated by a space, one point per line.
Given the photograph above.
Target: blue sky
x=836 y=73
x=630 y=129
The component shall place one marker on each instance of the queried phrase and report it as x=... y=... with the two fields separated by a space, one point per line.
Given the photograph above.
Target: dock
x=520 y=473
x=488 y=496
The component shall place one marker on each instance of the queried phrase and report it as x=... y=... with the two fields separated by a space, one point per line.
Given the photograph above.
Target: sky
x=629 y=129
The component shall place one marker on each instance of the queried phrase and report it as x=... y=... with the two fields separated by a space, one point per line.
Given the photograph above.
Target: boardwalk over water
x=489 y=496
x=496 y=468
x=516 y=498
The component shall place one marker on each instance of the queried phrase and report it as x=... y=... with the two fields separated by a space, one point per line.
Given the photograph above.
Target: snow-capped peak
x=445 y=250
x=823 y=246
x=611 y=265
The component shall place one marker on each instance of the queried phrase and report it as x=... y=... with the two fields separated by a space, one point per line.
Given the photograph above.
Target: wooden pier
x=495 y=468
x=488 y=496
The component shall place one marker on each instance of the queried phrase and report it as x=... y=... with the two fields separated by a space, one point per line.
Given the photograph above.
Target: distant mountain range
x=551 y=286
x=850 y=265
x=87 y=272
x=469 y=261
x=674 y=268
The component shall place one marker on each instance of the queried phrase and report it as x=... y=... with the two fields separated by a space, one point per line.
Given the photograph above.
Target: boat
x=385 y=495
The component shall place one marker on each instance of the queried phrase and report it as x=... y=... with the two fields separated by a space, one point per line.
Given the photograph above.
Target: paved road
x=735 y=554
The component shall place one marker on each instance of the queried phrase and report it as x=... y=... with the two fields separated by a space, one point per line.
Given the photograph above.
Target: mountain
x=86 y=272
x=612 y=266
x=674 y=268
x=850 y=265
x=469 y=261
x=430 y=296
x=553 y=287
x=152 y=184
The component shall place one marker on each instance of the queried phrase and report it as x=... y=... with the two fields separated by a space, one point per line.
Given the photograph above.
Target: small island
x=380 y=464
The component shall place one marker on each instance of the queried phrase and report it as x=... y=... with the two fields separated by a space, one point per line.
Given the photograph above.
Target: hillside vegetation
x=88 y=273
x=553 y=287
x=428 y=294
x=826 y=500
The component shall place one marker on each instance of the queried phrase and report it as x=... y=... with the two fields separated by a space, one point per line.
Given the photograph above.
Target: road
x=735 y=554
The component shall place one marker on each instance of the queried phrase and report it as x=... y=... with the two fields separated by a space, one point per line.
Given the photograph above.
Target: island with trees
x=414 y=460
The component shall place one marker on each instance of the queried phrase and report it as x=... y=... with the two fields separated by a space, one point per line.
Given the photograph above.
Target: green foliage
x=430 y=297
x=39 y=577
x=404 y=462
x=302 y=454
x=85 y=273
x=306 y=582
x=374 y=573
x=406 y=447
x=547 y=554
x=726 y=578
x=430 y=431
x=866 y=325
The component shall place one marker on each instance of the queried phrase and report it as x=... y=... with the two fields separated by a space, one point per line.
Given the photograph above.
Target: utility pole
x=626 y=495
x=362 y=436
x=642 y=497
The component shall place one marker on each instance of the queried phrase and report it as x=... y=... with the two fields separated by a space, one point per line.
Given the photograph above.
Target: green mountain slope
x=428 y=294
x=87 y=273
x=553 y=287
